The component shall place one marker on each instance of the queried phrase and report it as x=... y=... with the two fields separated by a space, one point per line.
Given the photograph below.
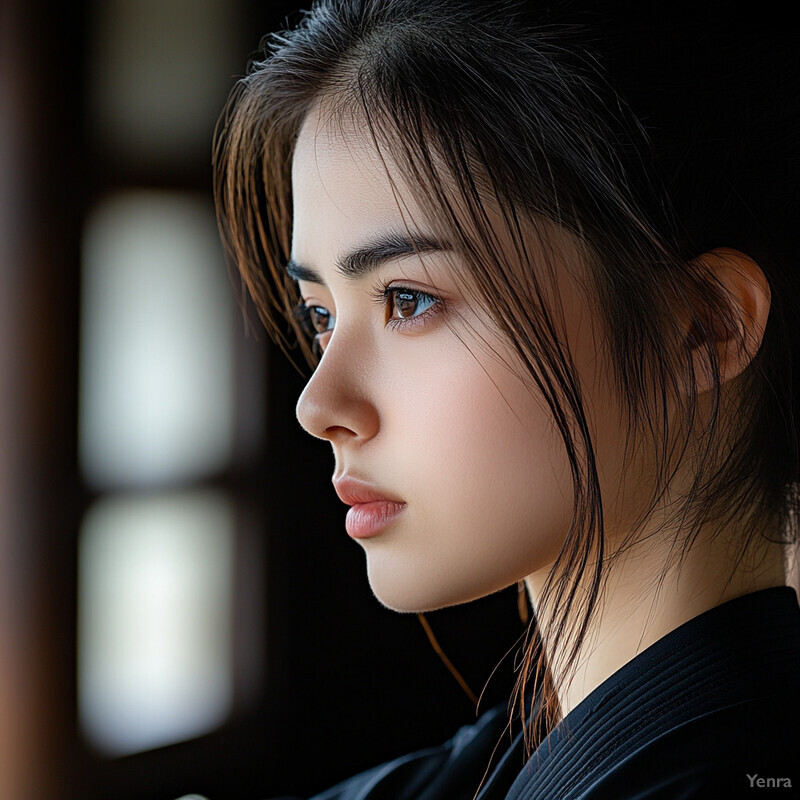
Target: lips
x=372 y=509
x=353 y=491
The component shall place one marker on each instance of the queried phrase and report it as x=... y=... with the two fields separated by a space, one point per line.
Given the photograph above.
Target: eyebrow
x=372 y=256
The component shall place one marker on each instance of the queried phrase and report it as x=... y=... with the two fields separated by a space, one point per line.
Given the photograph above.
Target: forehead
x=343 y=187
x=330 y=140
x=346 y=190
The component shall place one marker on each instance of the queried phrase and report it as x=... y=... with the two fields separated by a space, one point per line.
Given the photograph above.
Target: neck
x=635 y=608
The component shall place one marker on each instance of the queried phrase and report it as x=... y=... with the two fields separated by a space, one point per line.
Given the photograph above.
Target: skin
x=432 y=409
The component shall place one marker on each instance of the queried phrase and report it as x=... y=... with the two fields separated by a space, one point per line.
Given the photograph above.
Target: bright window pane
x=155 y=606
x=157 y=342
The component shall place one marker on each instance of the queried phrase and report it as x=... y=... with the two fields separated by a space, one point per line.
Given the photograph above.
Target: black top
x=710 y=710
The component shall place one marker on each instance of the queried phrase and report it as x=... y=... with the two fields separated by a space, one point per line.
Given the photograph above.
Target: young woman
x=544 y=263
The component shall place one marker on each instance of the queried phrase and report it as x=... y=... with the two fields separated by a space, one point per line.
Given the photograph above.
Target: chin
x=415 y=593
x=406 y=594
x=408 y=604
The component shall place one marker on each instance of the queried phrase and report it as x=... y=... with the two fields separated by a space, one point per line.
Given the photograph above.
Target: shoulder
x=708 y=711
x=446 y=772
x=724 y=753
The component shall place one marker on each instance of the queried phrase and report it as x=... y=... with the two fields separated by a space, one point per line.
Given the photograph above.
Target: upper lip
x=353 y=491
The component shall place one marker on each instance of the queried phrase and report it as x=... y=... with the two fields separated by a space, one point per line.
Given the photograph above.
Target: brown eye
x=410 y=303
x=405 y=303
x=315 y=320
x=320 y=319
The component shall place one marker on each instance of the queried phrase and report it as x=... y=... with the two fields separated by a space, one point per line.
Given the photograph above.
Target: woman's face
x=458 y=476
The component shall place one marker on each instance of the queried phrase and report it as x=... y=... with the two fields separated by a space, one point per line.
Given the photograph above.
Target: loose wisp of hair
x=507 y=124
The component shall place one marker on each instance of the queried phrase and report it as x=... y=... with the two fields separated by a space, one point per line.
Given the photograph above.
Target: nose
x=336 y=404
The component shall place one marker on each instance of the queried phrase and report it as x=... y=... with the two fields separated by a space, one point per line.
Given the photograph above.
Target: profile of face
x=458 y=477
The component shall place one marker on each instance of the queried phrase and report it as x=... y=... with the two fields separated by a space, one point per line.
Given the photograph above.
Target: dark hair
x=651 y=142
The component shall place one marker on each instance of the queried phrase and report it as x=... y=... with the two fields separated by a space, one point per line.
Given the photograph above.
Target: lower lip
x=369 y=519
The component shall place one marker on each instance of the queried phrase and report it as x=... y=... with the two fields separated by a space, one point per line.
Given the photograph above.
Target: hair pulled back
x=650 y=142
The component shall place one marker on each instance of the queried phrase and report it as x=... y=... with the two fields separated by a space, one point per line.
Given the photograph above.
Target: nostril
x=338 y=431
x=336 y=415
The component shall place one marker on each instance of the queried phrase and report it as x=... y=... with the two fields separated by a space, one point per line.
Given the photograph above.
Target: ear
x=736 y=338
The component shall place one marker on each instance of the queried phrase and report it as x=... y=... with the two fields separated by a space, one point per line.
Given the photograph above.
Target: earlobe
x=732 y=338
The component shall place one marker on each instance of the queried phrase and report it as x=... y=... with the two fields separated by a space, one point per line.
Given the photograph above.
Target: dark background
x=345 y=683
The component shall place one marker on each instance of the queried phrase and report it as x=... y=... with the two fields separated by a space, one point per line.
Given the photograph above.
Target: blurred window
x=155 y=651
x=170 y=417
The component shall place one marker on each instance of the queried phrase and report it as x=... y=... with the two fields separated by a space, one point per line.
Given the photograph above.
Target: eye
x=320 y=319
x=406 y=308
x=409 y=303
x=316 y=321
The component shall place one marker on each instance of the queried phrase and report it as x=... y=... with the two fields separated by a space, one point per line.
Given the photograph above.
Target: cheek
x=514 y=472
x=485 y=476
